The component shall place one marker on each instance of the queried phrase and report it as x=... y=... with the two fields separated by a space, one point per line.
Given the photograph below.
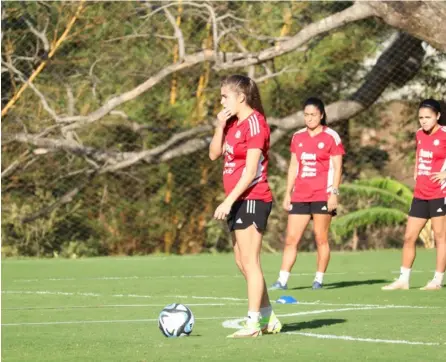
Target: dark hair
x=313 y=101
x=436 y=107
x=245 y=85
x=432 y=104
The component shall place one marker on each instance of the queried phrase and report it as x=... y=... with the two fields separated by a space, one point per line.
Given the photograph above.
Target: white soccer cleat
x=397 y=284
x=248 y=331
x=431 y=286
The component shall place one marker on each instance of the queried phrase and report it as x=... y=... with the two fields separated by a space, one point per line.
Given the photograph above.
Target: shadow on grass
x=347 y=284
x=314 y=324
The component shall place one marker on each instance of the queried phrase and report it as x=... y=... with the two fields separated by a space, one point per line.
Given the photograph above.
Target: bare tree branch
x=422 y=19
x=270 y=75
x=231 y=60
x=356 y=12
x=178 y=35
x=43 y=100
x=189 y=61
x=15 y=165
x=40 y=34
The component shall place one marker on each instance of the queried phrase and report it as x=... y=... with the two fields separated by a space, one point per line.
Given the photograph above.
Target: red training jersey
x=431 y=157
x=253 y=132
x=315 y=174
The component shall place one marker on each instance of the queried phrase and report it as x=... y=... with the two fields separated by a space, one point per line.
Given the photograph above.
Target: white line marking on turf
x=46 y=292
x=53 y=279
x=117 y=306
x=235 y=323
x=99 y=321
x=358 y=339
x=128 y=278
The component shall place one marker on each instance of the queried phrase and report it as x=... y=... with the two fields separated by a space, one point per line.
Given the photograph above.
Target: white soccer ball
x=176 y=320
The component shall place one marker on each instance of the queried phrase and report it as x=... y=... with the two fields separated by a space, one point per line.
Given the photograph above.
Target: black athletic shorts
x=426 y=209
x=310 y=208
x=245 y=213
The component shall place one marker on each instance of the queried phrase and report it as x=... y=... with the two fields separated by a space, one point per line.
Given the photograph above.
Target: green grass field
x=106 y=309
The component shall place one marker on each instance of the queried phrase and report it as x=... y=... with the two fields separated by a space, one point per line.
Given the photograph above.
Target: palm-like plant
x=393 y=198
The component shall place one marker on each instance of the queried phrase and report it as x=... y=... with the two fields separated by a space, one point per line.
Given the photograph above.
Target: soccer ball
x=176 y=320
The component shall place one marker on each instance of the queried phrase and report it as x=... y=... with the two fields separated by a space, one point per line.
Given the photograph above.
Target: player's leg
x=413 y=229
x=249 y=243
x=438 y=206
x=298 y=220
x=265 y=305
x=321 y=226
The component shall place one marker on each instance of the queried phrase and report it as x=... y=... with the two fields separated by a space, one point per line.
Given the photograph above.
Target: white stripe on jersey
x=333 y=134
x=257 y=123
x=254 y=125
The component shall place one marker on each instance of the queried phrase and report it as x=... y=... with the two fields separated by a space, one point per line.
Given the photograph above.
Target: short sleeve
x=256 y=134
x=336 y=149
x=292 y=144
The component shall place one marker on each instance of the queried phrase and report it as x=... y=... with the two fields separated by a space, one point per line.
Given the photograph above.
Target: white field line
x=100 y=321
x=135 y=277
x=104 y=306
x=235 y=323
x=46 y=292
x=358 y=339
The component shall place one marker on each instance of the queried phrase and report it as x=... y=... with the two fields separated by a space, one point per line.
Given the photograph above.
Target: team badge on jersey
x=436 y=142
x=301 y=145
x=321 y=145
x=238 y=134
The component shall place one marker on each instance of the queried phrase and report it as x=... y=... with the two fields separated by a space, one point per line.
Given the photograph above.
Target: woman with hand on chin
x=242 y=137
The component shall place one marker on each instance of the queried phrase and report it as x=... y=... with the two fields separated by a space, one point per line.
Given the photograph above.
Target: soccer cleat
x=248 y=331
x=278 y=286
x=431 y=286
x=397 y=284
x=271 y=324
x=316 y=285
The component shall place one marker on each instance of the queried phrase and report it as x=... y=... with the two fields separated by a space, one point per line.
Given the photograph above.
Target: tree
x=95 y=114
x=379 y=202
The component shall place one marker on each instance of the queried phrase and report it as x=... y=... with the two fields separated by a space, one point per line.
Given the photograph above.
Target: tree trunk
x=422 y=19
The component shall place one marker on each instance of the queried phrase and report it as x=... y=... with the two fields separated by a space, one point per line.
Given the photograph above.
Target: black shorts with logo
x=426 y=209
x=245 y=213
x=310 y=208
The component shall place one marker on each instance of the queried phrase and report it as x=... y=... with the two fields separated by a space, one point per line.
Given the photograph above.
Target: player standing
x=429 y=201
x=314 y=176
x=243 y=137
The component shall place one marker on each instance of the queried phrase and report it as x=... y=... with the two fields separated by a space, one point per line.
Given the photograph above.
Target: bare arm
x=337 y=165
x=216 y=146
x=293 y=168
x=332 y=202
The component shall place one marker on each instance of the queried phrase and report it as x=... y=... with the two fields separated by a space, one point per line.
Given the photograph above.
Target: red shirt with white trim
x=253 y=132
x=431 y=157
x=315 y=174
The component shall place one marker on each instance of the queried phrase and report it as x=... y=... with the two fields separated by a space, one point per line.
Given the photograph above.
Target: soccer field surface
x=106 y=309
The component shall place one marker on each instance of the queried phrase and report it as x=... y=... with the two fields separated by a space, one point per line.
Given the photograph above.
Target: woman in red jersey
x=312 y=189
x=242 y=137
x=429 y=201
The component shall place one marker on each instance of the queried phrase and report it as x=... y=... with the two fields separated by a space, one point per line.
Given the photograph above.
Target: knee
x=440 y=237
x=291 y=240
x=321 y=239
x=248 y=263
x=409 y=239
